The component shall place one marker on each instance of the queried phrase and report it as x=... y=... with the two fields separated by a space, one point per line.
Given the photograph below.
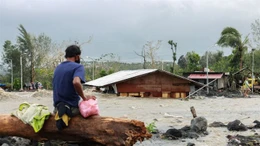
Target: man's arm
x=78 y=87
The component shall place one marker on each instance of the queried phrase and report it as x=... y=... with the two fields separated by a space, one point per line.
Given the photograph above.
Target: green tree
x=192 y=61
x=170 y=42
x=102 y=73
x=249 y=60
x=182 y=62
x=213 y=58
x=9 y=55
x=17 y=83
x=230 y=37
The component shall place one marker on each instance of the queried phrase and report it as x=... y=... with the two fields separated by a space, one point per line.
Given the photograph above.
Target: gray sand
x=169 y=113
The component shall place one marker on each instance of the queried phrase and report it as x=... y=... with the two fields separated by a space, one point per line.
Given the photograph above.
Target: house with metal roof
x=219 y=79
x=146 y=83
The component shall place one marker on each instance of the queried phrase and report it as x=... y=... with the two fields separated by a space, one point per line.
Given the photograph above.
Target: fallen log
x=95 y=130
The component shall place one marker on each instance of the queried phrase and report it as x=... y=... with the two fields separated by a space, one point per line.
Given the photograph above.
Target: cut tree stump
x=95 y=130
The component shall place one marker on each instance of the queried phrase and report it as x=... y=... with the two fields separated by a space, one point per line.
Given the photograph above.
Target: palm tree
x=173 y=52
x=230 y=37
x=25 y=44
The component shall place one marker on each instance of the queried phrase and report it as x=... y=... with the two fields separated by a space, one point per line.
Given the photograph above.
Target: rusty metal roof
x=128 y=74
x=204 y=76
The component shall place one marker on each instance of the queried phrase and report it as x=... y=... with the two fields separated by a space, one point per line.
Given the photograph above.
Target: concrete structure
x=146 y=83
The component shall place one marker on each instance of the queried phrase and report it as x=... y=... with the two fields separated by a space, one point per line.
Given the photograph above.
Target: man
x=246 y=87
x=67 y=88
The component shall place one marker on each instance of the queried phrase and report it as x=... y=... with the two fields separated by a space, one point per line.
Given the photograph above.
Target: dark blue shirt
x=63 y=89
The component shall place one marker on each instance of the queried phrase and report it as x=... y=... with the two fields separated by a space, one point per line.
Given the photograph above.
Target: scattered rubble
x=197 y=128
x=217 y=93
x=240 y=140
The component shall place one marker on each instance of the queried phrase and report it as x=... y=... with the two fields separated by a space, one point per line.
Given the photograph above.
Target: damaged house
x=217 y=80
x=146 y=83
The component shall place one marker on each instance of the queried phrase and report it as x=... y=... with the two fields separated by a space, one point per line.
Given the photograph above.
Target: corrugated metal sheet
x=204 y=76
x=128 y=74
x=118 y=76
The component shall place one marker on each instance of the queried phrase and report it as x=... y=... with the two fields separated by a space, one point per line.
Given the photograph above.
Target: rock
x=236 y=126
x=185 y=128
x=257 y=124
x=217 y=124
x=193 y=135
x=199 y=124
x=190 y=144
x=174 y=132
x=13 y=141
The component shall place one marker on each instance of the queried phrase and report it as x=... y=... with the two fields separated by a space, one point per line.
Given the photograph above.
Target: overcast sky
x=124 y=26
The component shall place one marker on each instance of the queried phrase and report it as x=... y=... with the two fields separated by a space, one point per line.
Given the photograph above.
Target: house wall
x=221 y=83
x=156 y=84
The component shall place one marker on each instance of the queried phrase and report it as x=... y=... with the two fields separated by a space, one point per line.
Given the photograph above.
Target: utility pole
x=12 y=79
x=12 y=75
x=207 y=58
x=253 y=77
x=21 y=59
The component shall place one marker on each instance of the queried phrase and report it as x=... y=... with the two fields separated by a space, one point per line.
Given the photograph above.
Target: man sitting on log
x=67 y=88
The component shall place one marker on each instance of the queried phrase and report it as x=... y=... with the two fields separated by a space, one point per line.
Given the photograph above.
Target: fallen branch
x=95 y=130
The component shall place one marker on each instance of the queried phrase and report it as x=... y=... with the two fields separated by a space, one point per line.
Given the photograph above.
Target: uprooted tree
x=95 y=130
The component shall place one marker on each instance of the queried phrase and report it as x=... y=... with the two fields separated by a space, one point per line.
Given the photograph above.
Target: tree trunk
x=193 y=112
x=95 y=130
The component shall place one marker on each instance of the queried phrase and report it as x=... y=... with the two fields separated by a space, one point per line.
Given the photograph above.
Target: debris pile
x=197 y=128
x=5 y=95
x=240 y=140
x=42 y=93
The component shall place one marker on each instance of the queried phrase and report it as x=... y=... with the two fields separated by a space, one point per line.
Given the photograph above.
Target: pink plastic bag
x=88 y=108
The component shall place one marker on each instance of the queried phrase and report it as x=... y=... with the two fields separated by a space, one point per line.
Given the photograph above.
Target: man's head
x=73 y=51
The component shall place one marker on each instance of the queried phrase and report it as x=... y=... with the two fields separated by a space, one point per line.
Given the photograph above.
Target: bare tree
x=86 y=42
x=151 y=49
x=143 y=55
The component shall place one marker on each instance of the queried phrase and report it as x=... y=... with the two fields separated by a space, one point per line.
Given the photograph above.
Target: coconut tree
x=25 y=45
x=230 y=37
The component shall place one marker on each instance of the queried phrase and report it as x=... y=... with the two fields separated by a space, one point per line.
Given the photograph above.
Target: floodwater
x=168 y=113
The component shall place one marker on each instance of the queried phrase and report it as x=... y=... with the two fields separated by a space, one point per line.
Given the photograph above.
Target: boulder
x=199 y=124
x=236 y=126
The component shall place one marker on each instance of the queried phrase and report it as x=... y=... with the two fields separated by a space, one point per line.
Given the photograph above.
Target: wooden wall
x=157 y=84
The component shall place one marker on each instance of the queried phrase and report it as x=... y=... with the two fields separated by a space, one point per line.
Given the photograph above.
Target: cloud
x=124 y=26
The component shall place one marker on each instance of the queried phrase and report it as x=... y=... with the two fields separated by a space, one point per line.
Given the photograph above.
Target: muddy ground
x=168 y=113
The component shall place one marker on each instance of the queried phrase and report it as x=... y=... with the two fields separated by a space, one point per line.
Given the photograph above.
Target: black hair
x=72 y=51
